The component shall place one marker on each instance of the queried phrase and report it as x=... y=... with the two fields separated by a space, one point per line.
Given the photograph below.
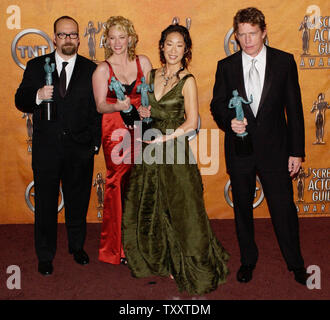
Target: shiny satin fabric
x=117 y=143
x=165 y=226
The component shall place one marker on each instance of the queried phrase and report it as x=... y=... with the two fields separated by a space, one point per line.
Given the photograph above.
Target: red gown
x=115 y=151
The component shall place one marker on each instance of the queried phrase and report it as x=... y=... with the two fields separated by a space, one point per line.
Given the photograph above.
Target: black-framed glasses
x=63 y=35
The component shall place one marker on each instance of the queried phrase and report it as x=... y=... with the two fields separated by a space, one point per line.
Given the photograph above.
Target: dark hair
x=65 y=17
x=249 y=15
x=187 y=40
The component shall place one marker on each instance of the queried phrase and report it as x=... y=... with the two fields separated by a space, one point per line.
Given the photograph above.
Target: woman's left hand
x=144 y=112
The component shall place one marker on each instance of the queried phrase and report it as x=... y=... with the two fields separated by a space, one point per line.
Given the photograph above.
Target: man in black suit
x=275 y=124
x=62 y=150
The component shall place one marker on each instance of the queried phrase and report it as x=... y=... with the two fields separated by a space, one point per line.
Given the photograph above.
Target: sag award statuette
x=47 y=107
x=130 y=115
x=144 y=88
x=243 y=143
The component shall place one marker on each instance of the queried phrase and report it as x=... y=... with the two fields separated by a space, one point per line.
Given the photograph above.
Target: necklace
x=167 y=79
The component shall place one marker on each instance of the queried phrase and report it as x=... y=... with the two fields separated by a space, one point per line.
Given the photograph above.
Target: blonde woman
x=128 y=68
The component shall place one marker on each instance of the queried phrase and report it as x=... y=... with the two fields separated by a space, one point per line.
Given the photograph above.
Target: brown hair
x=249 y=15
x=125 y=25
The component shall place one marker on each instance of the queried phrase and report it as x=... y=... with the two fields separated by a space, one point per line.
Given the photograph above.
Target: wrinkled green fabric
x=165 y=226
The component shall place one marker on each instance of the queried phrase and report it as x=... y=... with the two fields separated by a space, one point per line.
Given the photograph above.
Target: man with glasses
x=62 y=150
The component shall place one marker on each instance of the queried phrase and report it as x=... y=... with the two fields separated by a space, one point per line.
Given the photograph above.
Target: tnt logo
x=30 y=43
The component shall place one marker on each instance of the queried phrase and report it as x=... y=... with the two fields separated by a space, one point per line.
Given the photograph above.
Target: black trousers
x=277 y=187
x=72 y=165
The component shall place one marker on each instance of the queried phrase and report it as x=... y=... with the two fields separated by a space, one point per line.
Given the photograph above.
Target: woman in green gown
x=166 y=231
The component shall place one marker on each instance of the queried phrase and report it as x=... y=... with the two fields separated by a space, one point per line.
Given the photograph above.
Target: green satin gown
x=165 y=226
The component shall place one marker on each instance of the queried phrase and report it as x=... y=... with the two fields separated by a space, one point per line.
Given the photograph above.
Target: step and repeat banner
x=300 y=27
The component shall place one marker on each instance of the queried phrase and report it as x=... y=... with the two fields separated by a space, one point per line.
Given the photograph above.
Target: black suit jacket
x=77 y=116
x=277 y=131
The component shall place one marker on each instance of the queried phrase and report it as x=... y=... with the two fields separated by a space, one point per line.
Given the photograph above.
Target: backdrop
x=297 y=26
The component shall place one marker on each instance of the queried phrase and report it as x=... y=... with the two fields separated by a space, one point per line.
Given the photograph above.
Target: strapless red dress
x=118 y=149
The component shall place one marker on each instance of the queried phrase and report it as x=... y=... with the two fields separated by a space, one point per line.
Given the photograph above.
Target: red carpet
x=100 y=281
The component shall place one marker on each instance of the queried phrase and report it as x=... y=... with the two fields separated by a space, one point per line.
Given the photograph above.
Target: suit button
x=65 y=133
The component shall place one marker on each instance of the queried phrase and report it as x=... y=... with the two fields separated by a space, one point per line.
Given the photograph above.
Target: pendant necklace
x=167 y=79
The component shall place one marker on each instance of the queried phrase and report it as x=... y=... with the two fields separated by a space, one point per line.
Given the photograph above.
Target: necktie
x=62 y=87
x=254 y=87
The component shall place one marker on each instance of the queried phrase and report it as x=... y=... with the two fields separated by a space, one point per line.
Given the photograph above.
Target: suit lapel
x=268 y=79
x=238 y=73
x=75 y=75
x=54 y=74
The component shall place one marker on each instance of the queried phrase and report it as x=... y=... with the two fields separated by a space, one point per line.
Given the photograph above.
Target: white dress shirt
x=69 y=67
x=260 y=66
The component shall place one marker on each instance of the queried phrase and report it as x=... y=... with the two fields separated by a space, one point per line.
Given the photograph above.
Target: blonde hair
x=124 y=25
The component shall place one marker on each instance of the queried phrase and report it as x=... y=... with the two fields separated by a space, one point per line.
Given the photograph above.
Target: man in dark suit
x=62 y=150
x=275 y=124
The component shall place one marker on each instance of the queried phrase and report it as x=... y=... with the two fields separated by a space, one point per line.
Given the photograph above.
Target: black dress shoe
x=45 y=268
x=300 y=275
x=244 y=274
x=81 y=257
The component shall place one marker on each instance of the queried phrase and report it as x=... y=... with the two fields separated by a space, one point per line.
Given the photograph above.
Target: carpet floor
x=101 y=281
